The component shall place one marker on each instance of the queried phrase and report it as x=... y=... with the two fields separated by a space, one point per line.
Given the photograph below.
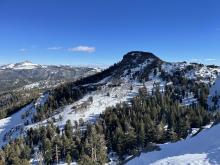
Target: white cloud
x=82 y=48
x=55 y=48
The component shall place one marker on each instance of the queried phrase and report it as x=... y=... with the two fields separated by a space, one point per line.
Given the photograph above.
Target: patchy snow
x=170 y=68
x=189 y=100
x=193 y=132
x=203 y=149
x=202 y=72
x=97 y=69
x=113 y=157
x=93 y=104
x=9 y=66
x=31 y=86
x=206 y=72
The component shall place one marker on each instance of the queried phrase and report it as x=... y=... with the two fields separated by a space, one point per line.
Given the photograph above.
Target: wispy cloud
x=55 y=48
x=23 y=50
x=81 y=48
x=195 y=60
x=203 y=60
x=210 y=59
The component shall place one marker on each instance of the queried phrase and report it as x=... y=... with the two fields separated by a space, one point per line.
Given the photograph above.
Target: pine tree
x=141 y=135
x=95 y=146
x=86 y=160
x=68 y=159
x=69 y=129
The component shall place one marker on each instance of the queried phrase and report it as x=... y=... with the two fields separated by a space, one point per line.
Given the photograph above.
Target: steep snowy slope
x=214 y=97
x=15 y=125
x=202 y=149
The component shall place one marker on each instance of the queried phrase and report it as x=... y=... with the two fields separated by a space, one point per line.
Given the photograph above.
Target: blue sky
x=99 y=32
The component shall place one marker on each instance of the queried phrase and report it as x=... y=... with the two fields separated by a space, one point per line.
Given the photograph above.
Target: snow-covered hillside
x=109 y=94
x=15 y=125
x=202 y=149
x=89 y=110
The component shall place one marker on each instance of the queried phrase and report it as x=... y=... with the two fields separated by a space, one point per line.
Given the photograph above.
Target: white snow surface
x=202 y=149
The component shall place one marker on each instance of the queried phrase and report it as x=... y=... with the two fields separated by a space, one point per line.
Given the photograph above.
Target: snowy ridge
x=20 y=66
x=199 y=72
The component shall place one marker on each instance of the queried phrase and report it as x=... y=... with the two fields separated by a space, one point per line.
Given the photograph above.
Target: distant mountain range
x=28 y=75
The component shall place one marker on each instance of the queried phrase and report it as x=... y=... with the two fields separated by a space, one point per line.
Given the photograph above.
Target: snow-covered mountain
x=29 y=75
x=23 y=65
x=119 y=83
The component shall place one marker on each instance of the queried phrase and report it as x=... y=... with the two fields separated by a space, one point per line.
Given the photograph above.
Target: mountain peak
x=140 y=54
x=135 y=58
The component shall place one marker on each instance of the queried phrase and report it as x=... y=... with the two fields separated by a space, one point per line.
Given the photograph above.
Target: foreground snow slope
x=202 y=149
